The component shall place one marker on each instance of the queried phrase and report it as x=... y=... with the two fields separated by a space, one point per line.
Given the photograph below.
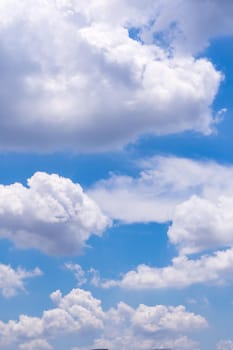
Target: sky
x=116 y=168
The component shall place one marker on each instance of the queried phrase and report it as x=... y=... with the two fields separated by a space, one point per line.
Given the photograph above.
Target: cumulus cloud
x=200 y=224
x=183 y=272
x=162 y=184
x=74 y=78
x=197 y=197
x=148 y=327
x=75 y=312
x=80 y=313
x=52 y=214
x=12 y=281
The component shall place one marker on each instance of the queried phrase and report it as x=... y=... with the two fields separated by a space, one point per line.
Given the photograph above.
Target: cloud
x=73 y=77
x=148 y=327
x=76 y=312
x=225 y=345
x=52 y=214
x=189 y=33
x=37 y=344
x=162 y=184
x=80 y=313
x=12 y=281
x=196 y=196
x=126 y=342
x=200 y=224
x=82 y=276
x=183 y=272
x=79 y=273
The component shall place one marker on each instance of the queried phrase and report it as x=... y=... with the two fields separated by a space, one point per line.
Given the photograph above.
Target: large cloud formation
x=79 y=313
x=52 y=214
x=74 y=78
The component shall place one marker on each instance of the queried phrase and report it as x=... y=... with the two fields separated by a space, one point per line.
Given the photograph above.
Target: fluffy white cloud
x=200 y=224
x=183 y=272
x=196 y=196
x=12 y=281
x=148 y=327
x=162 y=183
x=80 y=313
x=52 y=214
x=75 y=312
x=84 y=84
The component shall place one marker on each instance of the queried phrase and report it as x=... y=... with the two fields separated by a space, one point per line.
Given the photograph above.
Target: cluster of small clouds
x=79 y=313
x=52 y=214
x=85 y=84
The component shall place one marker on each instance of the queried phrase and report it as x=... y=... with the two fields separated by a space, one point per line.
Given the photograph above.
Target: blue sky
x=116 y=192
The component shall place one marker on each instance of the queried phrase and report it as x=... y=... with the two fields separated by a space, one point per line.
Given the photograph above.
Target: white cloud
x=12 y=281
x=37 y=344
x=137 y=343
x=79 y=273
x=80 y=313
x=183 y=272
x=52 y=214
x=188 y=25
x=75 y=312
x=83 y=84
x=225 y=345
x=200 y=224
x=162 y=183
x=82 y=276
x=148 y=327
x=196 y=196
